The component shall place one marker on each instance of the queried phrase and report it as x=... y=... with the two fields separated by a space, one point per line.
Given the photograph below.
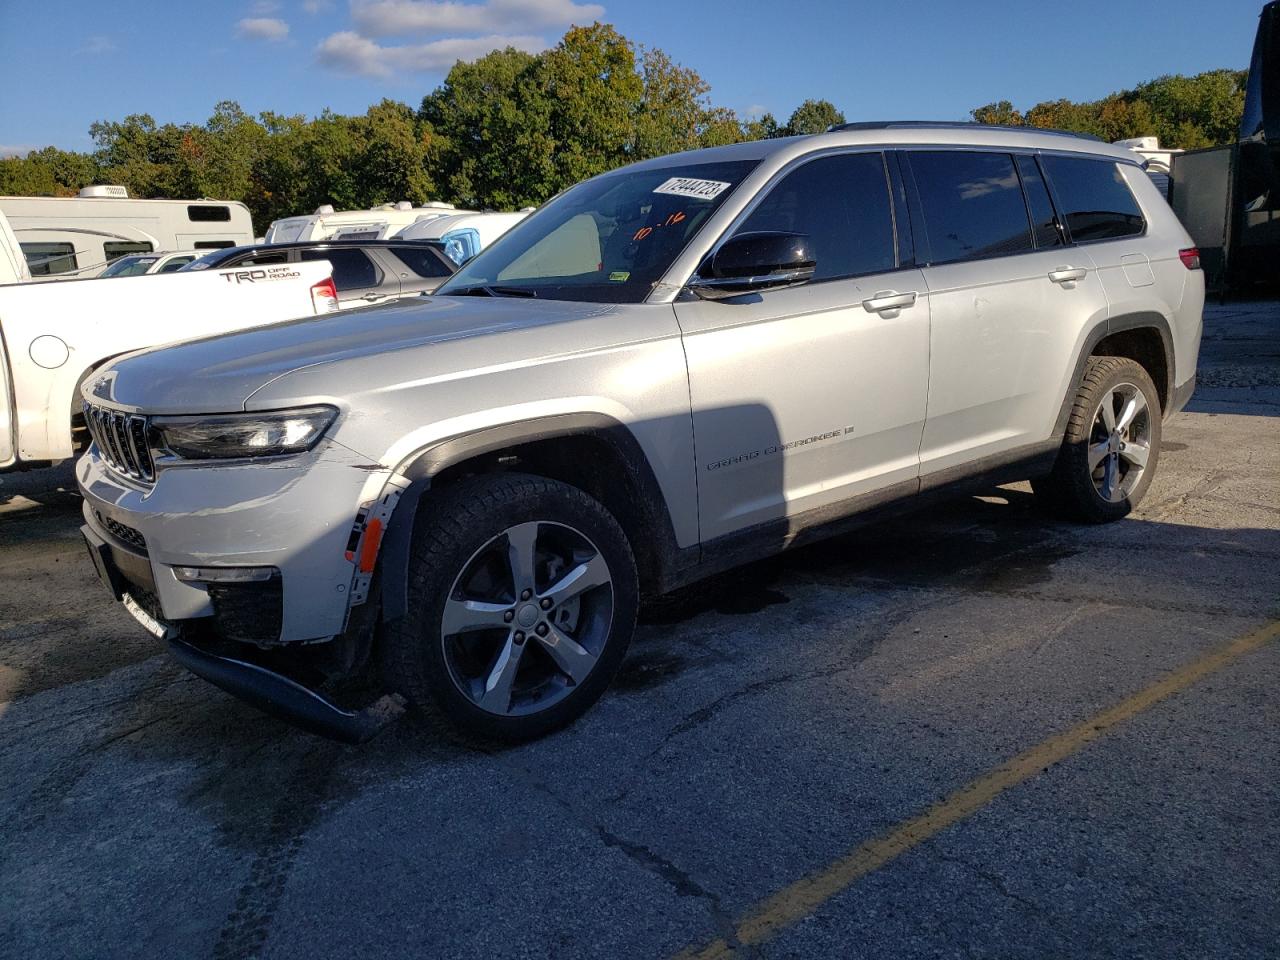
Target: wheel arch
x=1144 y=337
x=592 y=451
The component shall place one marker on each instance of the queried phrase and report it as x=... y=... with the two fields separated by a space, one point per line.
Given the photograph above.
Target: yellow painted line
x=800 y=899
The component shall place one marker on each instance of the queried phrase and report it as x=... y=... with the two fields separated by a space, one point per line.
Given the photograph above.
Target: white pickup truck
x=53 y=335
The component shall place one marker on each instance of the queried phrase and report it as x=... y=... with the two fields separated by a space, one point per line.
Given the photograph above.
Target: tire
x=498 y=666
x=1082 y=485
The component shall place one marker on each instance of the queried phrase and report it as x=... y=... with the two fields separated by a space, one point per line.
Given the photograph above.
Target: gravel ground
x=797 y=710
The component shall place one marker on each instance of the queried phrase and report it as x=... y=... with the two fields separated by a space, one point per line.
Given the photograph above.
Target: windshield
x=608 y=240
x=129 y=267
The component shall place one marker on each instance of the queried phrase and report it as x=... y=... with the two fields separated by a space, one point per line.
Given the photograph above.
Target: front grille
x=121 y=439
x=122 y=532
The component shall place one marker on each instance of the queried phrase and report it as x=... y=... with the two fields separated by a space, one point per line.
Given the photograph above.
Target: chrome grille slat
x=121 y=439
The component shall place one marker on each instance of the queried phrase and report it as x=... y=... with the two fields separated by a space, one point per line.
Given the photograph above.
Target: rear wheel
x=1108 y=456
x=522 y=602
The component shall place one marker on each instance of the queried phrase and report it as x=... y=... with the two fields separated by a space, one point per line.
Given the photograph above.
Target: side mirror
x=750 y=262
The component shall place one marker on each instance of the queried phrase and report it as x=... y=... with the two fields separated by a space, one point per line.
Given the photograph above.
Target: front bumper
x=295 y=515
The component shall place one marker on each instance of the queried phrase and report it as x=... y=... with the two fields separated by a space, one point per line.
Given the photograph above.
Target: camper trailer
x=66 y=237
x=376 y=223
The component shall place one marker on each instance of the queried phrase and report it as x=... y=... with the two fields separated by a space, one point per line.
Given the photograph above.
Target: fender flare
x=421 y=467
x=1099 y=332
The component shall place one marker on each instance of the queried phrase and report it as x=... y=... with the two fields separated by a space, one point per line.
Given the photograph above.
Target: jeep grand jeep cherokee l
x=669 y=369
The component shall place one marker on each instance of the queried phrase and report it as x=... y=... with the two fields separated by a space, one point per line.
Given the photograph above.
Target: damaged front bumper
x=242 y=567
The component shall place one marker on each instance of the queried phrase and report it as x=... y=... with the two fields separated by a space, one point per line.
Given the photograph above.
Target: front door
x=807 y=396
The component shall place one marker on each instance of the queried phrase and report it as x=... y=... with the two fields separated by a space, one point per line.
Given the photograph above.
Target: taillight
x=324 y=296
x=1190 y=258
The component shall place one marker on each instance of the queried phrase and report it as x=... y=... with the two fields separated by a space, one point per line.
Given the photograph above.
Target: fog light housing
x=225 y=574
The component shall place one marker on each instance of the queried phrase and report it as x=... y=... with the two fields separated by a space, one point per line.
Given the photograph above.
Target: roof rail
x=954 y=125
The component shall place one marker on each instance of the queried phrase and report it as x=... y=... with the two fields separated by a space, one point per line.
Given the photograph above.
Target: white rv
x=1159 y=159
x=464 y=234
x=64 y=237
x=376 y=223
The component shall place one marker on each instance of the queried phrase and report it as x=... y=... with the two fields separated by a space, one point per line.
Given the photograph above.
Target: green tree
x=812 y=116
x=593 y=89
x=999 y=114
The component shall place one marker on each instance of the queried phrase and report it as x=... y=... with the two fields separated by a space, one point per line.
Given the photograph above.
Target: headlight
x=233 y=435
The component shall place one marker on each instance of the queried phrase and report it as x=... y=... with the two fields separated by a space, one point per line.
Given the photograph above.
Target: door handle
x=1067 y=274
x=374 y=297
x=886 y=300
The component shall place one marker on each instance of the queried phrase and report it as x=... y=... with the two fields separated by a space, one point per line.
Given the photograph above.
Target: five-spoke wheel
x=523 y=598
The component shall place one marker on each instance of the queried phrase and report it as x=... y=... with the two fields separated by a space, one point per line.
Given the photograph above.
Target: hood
x=217 y=374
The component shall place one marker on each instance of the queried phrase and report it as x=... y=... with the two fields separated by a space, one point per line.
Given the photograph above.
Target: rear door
x=420 y=268
x=357 y=277
x=1009 y=300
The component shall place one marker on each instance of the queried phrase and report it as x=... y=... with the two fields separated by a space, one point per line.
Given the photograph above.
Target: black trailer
x=1228 y=197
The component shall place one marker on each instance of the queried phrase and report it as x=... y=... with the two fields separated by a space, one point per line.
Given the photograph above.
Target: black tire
x=1070 y=490
x=452 y=527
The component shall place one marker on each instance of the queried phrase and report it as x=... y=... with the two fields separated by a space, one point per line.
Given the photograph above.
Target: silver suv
x=668 y=370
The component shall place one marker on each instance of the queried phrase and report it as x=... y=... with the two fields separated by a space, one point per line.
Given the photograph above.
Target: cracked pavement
x=781 y=716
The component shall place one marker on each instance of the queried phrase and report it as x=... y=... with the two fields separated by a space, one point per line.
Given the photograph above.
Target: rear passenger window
x=352 y=269
x=972 y=204
x=841 y=203
x=1043 y=223
x=422 y=261
x=1095 y=200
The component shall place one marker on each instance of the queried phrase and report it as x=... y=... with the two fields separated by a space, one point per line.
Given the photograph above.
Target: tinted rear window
x=1043 y=222
x=422 y=261
x=352 y=269
x=1095 y=200
x=972 y=204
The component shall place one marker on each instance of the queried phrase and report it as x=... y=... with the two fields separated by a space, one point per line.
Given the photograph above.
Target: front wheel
x=1108 y=456
x=522 y=601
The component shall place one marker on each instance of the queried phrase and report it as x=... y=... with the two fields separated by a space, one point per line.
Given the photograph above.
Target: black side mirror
x=750 y=262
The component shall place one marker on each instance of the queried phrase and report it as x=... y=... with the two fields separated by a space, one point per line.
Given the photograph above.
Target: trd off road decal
x=259 y=273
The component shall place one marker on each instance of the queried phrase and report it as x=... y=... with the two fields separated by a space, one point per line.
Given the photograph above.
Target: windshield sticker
x=620 y=276
x=690 y=187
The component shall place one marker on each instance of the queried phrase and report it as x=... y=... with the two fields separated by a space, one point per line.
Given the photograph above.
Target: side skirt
x=776 y=536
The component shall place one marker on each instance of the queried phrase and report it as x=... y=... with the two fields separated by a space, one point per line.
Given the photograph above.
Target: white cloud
x=99 y=44
x=755 y=110
x=348 y=52
x=317 y=6
x=263 y=7
x=262 y=28
x=20 y=150
x=392 y=18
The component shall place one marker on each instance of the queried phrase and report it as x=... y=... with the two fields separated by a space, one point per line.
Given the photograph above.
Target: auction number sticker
x=689 y=187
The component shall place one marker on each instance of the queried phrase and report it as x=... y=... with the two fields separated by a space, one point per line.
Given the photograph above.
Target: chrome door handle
x=1067 y=274
x=374 y=297
x=886 y=300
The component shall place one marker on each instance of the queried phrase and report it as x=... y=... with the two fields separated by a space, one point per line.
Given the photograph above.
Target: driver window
x=841 y=202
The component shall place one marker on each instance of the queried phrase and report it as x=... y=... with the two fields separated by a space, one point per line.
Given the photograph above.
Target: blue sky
x=65 y=65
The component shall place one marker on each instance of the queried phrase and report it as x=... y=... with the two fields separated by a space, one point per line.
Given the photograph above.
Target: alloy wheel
x=1119 y=442
x=527 y=618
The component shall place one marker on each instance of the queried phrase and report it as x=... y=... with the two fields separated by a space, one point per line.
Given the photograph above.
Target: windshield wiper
x=488 y=290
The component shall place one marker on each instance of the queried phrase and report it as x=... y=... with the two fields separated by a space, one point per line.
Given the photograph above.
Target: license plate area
x=157 y=628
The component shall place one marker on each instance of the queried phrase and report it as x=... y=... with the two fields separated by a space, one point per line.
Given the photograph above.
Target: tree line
x=512 y=129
